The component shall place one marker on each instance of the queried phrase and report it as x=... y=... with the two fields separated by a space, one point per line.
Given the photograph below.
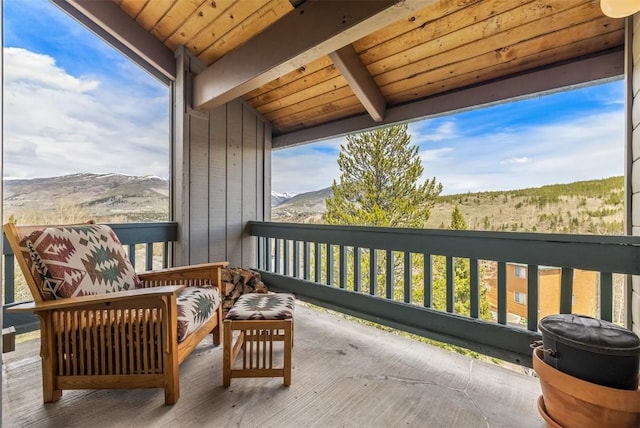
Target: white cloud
x=56 y=123
x=434 y=155
x=32 y=70
x=582 y=148
x=519 y=160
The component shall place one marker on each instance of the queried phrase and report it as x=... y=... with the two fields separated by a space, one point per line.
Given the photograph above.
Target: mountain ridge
x=588 y=206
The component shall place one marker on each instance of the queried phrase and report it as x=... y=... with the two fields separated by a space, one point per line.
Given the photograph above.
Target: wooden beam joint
x=362 y=84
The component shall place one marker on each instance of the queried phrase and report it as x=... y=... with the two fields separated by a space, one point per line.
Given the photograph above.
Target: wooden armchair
x=104 y=326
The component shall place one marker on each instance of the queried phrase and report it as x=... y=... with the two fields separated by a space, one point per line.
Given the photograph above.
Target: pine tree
x=379 y=184
x=457 y=220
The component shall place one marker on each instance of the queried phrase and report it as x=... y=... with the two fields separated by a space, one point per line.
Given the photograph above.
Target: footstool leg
x=288 y=344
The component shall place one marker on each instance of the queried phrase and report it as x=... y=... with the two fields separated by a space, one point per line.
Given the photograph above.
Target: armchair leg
x=48 y=360
x=172 y=384
x=218 y=331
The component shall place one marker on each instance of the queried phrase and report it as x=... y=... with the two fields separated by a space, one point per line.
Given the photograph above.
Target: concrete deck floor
x=345 y=375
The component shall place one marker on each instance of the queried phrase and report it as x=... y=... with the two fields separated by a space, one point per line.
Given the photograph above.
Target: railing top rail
x=257 y=227
x=131 y=233
x=618 y=254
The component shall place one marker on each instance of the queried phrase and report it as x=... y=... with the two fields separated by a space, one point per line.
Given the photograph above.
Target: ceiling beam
x=312 y=30
x=608 y=65
x=112 y=24
x=362 y=84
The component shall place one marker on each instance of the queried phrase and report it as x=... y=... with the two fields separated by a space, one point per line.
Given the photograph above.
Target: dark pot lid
x=589 y=333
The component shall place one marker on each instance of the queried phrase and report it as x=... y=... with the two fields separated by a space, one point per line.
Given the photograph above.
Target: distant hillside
x=303 y=208
x=593 y=206
x=78 y=197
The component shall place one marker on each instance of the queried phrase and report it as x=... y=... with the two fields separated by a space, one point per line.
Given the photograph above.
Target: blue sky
x=73 y=104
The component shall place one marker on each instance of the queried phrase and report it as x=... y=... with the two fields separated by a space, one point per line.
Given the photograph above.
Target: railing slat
x=132 y=254
x=502 y=293
x=390 y=275
x=357 y=272
x=317 y=258
x=474 y=289
x=373 y=271
x=450 y=270
x=296 y=259
x=407 y=277
x=532 y=297
x=277 y=255
x=427 y=282
x=261 y=263
x=307 y=260
x=566 y=290
x=287 y=257
x=606 y=296
x=343 y=267
x=9 y=279
x=149 y=261
x=330 y=276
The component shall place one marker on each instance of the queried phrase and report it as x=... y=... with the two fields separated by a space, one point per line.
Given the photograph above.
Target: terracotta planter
x=571 y=402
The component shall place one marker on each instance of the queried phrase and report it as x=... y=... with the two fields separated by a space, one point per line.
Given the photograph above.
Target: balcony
x=346 y=373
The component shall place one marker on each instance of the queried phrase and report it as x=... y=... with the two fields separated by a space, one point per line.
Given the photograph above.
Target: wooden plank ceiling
x=447 y=45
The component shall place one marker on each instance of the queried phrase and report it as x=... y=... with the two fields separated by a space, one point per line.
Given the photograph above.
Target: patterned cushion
x=37 y=269
x=196 y=305
x=79 y=260
x=254 y=306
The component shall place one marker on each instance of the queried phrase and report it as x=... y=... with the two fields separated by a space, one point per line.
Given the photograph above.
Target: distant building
x=585 y=291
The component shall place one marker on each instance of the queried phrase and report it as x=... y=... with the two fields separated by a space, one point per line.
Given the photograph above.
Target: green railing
x=324 y=264
x=146 y=243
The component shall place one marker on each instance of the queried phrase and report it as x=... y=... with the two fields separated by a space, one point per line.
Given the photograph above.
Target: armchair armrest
x=117 y=298
x=208 y=271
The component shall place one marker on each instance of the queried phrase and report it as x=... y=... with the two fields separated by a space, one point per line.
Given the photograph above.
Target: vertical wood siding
x=221 y=174
x=633 y=186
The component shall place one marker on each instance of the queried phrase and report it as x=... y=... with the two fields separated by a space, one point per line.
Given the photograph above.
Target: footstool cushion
x=256 y=306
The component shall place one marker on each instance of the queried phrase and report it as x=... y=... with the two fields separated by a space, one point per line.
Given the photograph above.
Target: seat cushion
x=79 y=260
x=196 y=305
x=257 y=306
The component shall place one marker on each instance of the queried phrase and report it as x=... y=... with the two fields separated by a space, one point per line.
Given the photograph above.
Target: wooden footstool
x=261 y=320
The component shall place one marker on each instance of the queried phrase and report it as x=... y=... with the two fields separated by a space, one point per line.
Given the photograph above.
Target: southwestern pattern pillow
x=257 y=306
x=80 y=260
x=195 y=306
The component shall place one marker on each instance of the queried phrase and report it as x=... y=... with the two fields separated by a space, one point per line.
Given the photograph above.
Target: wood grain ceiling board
x=410 y=60
x=208 y=28
x=443 y=47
